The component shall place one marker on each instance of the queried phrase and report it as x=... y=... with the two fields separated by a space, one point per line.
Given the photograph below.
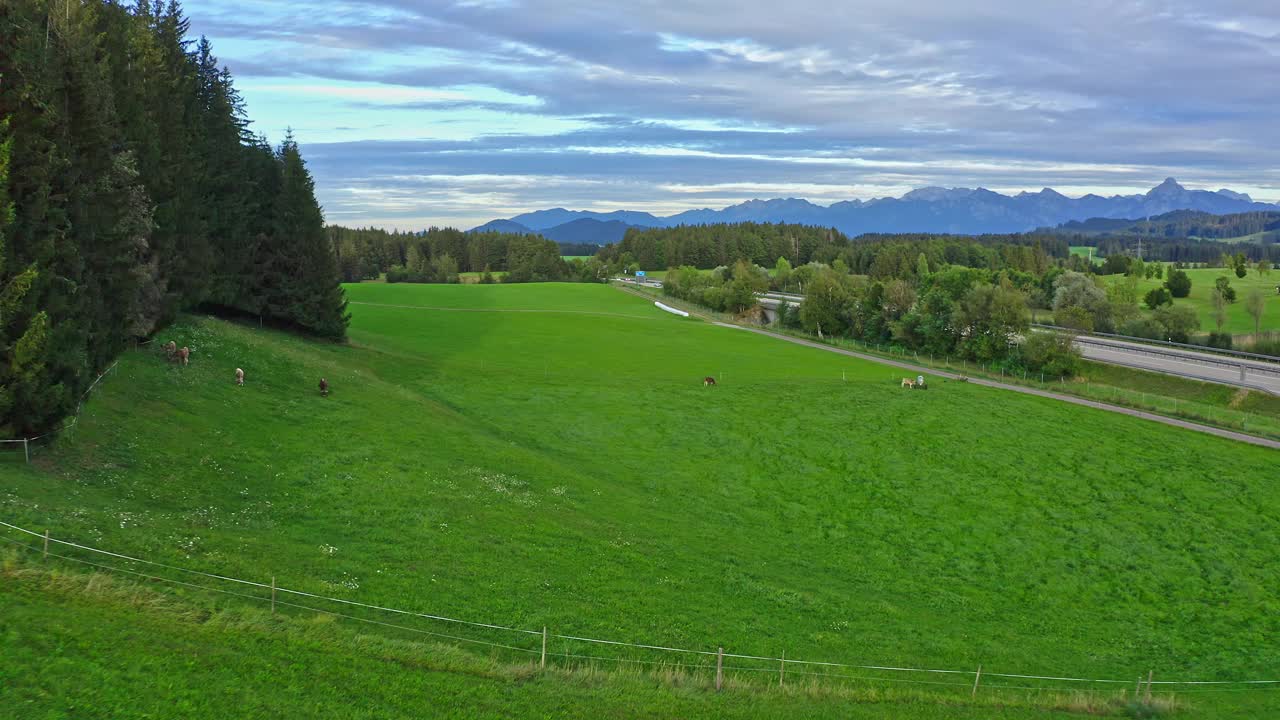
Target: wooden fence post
x=46 y=544
x=719 y=669
x=782 y=670
x=543 y=662
x=273 y=594
x=26 y=449
x=976 y=679
x=1150 y=673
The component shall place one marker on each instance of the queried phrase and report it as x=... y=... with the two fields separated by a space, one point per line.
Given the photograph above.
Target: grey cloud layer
x=978 y=93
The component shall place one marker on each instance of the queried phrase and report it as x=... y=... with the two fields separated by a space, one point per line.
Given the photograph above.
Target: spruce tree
x=306 y=289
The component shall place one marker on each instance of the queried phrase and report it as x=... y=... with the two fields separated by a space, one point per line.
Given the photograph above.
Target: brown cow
x=324 y=387
x=908 y=383
x=184 y=355
x=171 y=350
x=708 y=380
x=239 y=376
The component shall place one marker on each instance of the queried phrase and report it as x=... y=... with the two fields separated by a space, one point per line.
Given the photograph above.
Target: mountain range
x=964 y=211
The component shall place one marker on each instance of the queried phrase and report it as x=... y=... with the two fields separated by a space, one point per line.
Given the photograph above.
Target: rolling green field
x=1086 y=251
x=1239 y=321
x=546 y=455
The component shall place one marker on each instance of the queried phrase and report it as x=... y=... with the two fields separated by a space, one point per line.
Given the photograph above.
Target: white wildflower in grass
x=346 y=582
x=328 y=550
x=559 y=490
x=128 y=519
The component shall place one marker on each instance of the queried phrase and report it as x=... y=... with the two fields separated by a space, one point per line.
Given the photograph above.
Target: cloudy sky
x=438 y=112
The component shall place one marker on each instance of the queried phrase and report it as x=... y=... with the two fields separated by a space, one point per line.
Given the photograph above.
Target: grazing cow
x=171 y=350
x=324 y=387
x=239 y=376
x=708 y=380
x=908 y=383
x=184 y=355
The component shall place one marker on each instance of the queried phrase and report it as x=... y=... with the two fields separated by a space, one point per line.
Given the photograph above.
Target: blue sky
x=455 y=112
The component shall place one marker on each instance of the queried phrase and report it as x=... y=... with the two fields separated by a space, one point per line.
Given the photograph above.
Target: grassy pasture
x=1086 y=251
x=546 y=455
x=1239 y=322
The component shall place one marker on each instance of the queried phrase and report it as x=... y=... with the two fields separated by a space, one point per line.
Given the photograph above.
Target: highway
x=1239 y=372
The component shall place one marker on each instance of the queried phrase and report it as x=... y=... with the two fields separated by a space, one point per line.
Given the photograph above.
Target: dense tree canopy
x=880 y=256
x=441 y=254
x=130 y=190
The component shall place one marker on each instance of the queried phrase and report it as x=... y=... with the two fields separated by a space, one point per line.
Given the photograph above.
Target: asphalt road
x=1201 y=366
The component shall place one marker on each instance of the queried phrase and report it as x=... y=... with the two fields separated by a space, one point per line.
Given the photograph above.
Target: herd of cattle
x=182 y=356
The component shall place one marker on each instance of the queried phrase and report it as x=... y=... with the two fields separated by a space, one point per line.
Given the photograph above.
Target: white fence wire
x=790 y=666
x=27 y=443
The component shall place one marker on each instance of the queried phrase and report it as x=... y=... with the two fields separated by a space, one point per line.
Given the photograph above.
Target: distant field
x=1266 y=236
x=583 y=258
x=1239 y=322
x=546 y=455
x=1085 y=251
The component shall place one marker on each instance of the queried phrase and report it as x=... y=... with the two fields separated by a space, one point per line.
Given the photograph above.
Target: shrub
x=1158 y=297
x=1223 y=285
x=1143 y=328
x=1179 y=283
x=1054 y=354
x=1074 y=317
x=1219 y=340
x=1178 y=323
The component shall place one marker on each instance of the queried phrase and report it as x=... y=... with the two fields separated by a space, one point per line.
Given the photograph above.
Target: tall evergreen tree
x=305 y=287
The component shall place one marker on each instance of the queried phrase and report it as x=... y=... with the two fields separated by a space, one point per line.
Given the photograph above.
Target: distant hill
x=587 y=230
x=582 y=231
x=502 y=226
x=1261 y=226
x=548 y=219
x=933 y=209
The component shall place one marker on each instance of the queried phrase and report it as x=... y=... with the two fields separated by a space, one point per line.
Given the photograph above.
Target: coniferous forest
x=130 y=190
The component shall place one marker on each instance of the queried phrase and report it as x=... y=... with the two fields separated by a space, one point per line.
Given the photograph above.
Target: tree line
x=1183 y=250
x=131 y=189
x=441 y=255
x=880 y=256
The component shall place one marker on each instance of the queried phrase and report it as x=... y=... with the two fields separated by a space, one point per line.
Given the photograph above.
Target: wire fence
x=537 y=645
x=27 y=444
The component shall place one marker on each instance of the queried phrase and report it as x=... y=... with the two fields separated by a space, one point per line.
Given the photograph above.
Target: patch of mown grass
x=555 y=461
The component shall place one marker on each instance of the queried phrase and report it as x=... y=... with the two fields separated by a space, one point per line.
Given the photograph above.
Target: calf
x=324 y=387
x=184 y=355
x=708 y=380
x=908 y=383
x=239 y=376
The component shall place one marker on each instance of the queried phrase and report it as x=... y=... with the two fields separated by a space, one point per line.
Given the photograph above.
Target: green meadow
x=1239 y=321
x=547 y=456
x=1086 y=251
